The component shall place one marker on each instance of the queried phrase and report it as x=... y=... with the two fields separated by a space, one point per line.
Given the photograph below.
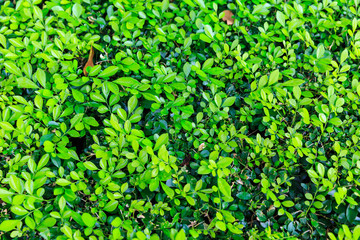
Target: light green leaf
x=12 y=68
x=62 y=182
x=204 y=170
x=25 y=83
x=229 y=102
x=127 y=82
x=288 y=203
x=76 y=119
x=187 y=69
x=220 y=225
x=335 y=121
x=108 y=72
x=5 y=193
x=322 y=117
x=78 y=96
x=215 y=71
x=344 y=56
x=201 y=3
x=90 y=165
x=6 y=126
x=292 y=83
x=180 y=235
x=168 y=190
x=132 y=103
x=224 y=162
x=9 y=225
x=320 y=51
x=15 y=183
x=164 y=5
x=274 y=77
x=77 y=10
x=163 y=139
x=94 y=70
x=88 y=220
x=281 y=18
x=320 y=169
x=41 y=77
x=224 y=187
x=305 y=114
x=111 y=206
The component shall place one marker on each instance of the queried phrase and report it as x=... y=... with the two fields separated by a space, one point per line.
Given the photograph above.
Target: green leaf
x=224 y=187
x=164 y=5
x=292 y=83
x=215 y=71
x=198 y=185
x=313 y=174
x=12 y=68
x=190 y=200
x=88 y=220
x=288 y=203
x=6 y=126
x=187 y=125
x=9 y=225
x=205 y=38
x=25 y=83
x=204 y=170
x=168 y=190
x=111 y=206
x=76 y=119
x=94 y=70
x=180 y=235
x=62 y=182
x=77 y=10
x=320 y=169
x=280 y=17
x=5 y=193
x=208 y=64
x=244 y=196
x=49 y=146
x=108 y=72
x=40 y=75
x=15 y=183
x=90 y=165
x=274 y=77
x=163 y=139
x=356 y=232
x=97 y=97
x=18 y=210
x=127 y=82
x=78 y=96
x=322 y=117
x=229 y=102
x=224 y=162
x=30 y=222
x=344 y=56
x=201 y=3
x=320 y=51
x=38 y=13
x=305 y=114
x=220 y=225
x=187 y=69
x=132 y=103
x=169 y=78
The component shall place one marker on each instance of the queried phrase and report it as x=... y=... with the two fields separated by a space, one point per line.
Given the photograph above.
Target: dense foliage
x=141 y=119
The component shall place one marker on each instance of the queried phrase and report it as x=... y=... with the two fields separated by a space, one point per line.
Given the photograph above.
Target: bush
x=179 y=120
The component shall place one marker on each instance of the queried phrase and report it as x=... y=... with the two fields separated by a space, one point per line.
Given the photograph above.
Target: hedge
x=180 y=119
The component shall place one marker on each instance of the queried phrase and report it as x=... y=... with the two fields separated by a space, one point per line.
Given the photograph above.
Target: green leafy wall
x=183 y=127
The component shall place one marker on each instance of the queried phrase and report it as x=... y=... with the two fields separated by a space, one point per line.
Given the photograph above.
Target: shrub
x=179 y=120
